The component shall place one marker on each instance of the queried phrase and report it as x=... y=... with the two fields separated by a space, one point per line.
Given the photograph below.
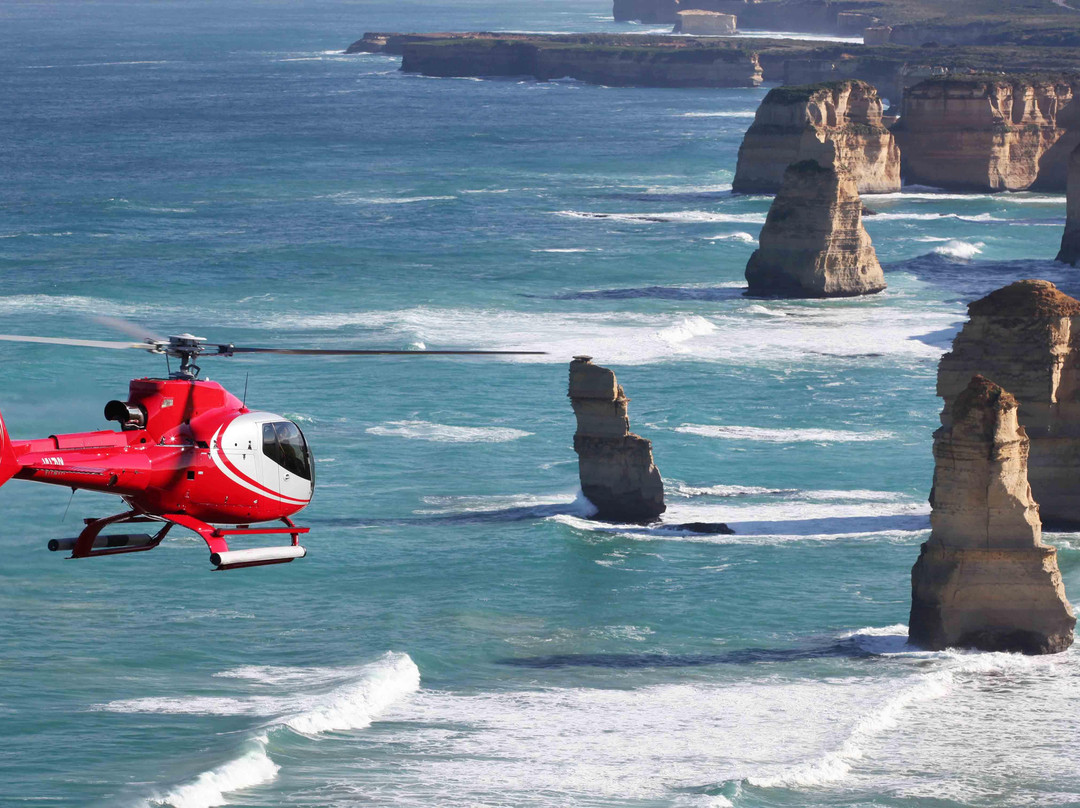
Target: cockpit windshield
x=284 y=443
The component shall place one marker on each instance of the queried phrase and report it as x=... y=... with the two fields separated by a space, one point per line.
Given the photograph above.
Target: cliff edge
x=796 y=123
x=1026 y=337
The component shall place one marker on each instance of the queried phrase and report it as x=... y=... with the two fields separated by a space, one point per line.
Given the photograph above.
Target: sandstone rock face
x=813 y=243
x=989 y=134
x=1026 y=337
x=616 y=466
x=797 y=123
x=705 y=23
x=984 y=579
x=1070 y=242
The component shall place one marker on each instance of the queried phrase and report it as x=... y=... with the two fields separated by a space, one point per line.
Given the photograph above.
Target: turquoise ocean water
x=459 y=634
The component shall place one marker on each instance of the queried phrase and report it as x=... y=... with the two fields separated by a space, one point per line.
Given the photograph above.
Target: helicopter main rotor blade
x=83 y=343
x=126 y=327
x=228 y=349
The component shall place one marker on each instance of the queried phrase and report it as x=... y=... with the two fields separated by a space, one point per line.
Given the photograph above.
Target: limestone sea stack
x=985 y=580
x=989 y=134
x=695 y=22
x=798 y=123
x=1070 y=241
x=813 y=243
x=1026 y=337
x=616 y=466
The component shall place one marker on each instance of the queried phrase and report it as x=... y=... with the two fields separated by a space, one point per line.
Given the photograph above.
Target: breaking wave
x=353 y=699
x=678 y=216
x=964 y=250
x=783 y=435
x=442 y=433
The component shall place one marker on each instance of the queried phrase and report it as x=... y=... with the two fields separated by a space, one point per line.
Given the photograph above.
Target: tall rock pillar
x=985 y=580
x=813 y=243
x=1026 y=337
x=616 y=466
x=1070 y=242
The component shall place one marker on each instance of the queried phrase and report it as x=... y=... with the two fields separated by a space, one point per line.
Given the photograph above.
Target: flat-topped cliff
x=813 y=243
x=670 y=64
x=984 y=579
x=1026 y=337
x=1070 y=240
x=797 y=123
x=616 y=466
x=989 y=134
x=705 y=23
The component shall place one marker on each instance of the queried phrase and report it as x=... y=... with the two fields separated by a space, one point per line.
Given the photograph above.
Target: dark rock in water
x=708 y=528
x=616 y=466
x=985 y=579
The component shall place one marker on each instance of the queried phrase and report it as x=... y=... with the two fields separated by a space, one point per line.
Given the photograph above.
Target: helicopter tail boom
x=9 y=463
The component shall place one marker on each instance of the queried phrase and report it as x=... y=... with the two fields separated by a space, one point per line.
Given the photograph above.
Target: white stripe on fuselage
x=215 y=448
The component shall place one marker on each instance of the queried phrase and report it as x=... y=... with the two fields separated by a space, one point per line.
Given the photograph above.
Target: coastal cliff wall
x=984 y=579
x=798 y=123
x=808 y=16
x=616 y=466
x=642 y=66
x=1070 y=240
x=984 y=134
x=813 y=243
x=1026 y=337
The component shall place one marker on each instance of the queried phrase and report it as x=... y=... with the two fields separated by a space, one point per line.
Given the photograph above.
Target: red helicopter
x=188 y=453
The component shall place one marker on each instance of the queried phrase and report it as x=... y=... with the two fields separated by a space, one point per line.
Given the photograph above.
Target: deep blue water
x=459 y=635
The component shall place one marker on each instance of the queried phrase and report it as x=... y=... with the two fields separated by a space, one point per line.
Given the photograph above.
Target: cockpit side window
x=285 y=445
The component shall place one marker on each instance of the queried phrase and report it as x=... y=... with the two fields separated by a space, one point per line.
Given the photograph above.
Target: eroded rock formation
x=797 y=123
x=984 y=579
x=675 y=62
x=813 y=243
x=616 y=466
x=1070 y=241
x=1026 y=337
x=695 y=22
x=989 y=134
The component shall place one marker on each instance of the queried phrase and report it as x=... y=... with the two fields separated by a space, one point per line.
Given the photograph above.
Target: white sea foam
x=350 y=198
x=743 y=237
x=322 y=700
x=564 y=250
x=1007 y=198
x=537 y=506
x=786 y=333
x=356 y=705
x=731 y=113
x=686 y=329
x=976 y=218
x=783 y=435
x=211 y=788
x=677 y=216
x=442 y=433
x=965 y=250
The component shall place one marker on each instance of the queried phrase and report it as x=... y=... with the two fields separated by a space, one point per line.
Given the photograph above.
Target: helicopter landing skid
x=225 y=559
x=90 y=544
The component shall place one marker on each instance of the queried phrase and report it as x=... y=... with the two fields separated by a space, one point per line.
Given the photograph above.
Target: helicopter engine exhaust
x=257 y=556
x=117 y=540
x=129 y=416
